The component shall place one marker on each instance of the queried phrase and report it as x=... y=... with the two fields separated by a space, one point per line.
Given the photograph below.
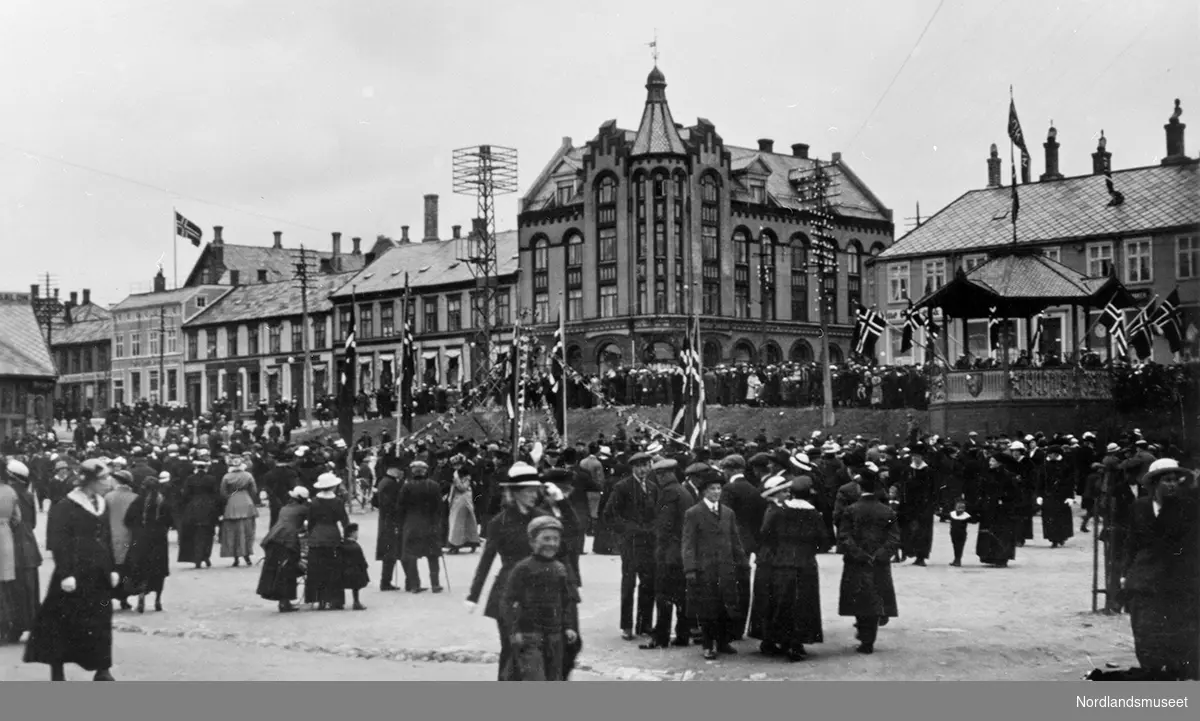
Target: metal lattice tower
x=483 y=171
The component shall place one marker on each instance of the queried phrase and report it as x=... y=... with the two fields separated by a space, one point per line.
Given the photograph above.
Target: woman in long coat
x=792 y=532
x=1161 y=576
x=327 y=521
x=238 y=520
x=999 y=503
x=149 y=560
x=118 y=500
x=23 y=596
x=463 y=527
x=1057 y=491
x=74 y=624
x=10 y=518
x=284 y=552
x=197 y=524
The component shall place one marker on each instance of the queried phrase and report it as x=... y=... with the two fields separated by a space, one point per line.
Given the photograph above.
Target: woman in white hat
x=1161 y=577
x=507 y=537
x=326 y=527
x=241 y=514
x=20 y=598
x=149 y=560
x=283 y=551
x=74 y=624
x=793 y=532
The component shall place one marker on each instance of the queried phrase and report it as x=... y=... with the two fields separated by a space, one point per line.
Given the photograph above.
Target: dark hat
x=542 y=523
x=761 y=459
x=639 y=457
x=1056 y=450
x=710 y=477
x=559 y=476
x=919 y=449
x=351 y=528
x=697 y=469
x=734 y=461
x=802 y=485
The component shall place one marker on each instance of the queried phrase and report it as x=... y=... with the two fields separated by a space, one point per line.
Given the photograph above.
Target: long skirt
x=795 y=607
x=1165 y=631
x=237 y=537
x=123 y=589
x=19 y=603
x=994 y=543
x=280 y=573
x=324 y=583
x=74 y=627
x=196 y=543
x=463 y=528
x=1058 y=524
x=761 y=601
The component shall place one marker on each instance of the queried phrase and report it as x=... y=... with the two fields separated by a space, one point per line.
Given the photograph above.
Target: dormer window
x=758 y=190
x=566 y=191
x=262 y=276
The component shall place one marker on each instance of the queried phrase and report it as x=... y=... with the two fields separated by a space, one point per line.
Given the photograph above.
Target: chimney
x=160 y=280
x=800 y=150
x=456 y=231
x=766 y=145
x=279 y=239
x=1176 y=153
x=1101 y=159
x=336 y=261
x=1051 y=146
x=356 y=243
x=74 y=298
x=994 y=168
x=87 y=296
x=34 y=290
x=217 y=239
x=404 y=234
x=431 y=218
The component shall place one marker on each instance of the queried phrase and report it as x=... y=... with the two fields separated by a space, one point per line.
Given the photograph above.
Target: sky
x=323 y=115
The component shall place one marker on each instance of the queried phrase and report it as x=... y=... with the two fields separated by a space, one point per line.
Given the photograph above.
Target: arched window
x=853 y=276
x=799 y=255
x=801 y=352
x=712 y=353
x=835 y=354
x=710 y=247
x=541 y=280
x=608 y=357
x=771 y=353
x=606 y=246
x=574 y=275
x=741 y=273
x=743 y=352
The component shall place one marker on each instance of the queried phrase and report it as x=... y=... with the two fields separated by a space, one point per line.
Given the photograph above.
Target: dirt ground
x=1030 y=621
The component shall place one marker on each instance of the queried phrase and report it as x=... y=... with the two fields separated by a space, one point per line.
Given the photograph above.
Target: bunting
x=911 y=322
x=347 y=394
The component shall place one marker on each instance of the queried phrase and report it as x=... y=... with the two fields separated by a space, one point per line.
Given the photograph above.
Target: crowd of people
x=715 y=546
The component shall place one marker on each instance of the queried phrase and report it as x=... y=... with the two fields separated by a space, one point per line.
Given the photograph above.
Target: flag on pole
x=911 y=321
x=873 y=325
x=558 y=362
x=696 y=381
x=931 y=327
x=1167 y=321
x=1111 y=316
x=1035 y=345
x=1114 y=196
x=347 y=394
x=1120 y=342
x=185 y=228
x=1140 y=336
x=1018 y=139
x=408 y=363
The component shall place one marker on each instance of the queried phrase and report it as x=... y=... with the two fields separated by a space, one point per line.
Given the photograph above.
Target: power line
x=166 y=191
x=898 y=72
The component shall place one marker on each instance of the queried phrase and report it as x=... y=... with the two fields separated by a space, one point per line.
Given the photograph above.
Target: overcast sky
x=329 y=115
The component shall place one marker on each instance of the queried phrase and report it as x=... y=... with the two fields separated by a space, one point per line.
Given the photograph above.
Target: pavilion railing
x=1066 y=383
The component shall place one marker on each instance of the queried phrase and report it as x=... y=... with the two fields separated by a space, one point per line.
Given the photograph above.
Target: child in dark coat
x=540 y=604
x=355 y=574
x=959 y=519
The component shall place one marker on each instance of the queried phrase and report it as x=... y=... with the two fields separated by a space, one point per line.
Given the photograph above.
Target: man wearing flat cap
x=419 y=505
x=670 y=585
x=632 y=507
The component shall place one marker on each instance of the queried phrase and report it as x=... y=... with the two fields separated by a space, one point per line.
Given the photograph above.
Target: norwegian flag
x=695 y=379
x=408 y=369
x=1036 y=343
x=1120 y=342
x=187 y=229
x=1167 y=321
x=911 y=322
x=870 y=327
x=1140 y=336
x=931 y=328
x=348 y=395
x=683 y=396
x=558 y=363
x=1111 y=315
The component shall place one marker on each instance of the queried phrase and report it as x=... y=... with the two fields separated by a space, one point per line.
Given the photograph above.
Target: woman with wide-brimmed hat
x=793 y=532
x=74 y=624
x=998 y=510
x=197 y=524
x=326 y=528
x=1161 y=576
x=149 y=560
x=284 y=553
x=241 y=512
x=21 y=597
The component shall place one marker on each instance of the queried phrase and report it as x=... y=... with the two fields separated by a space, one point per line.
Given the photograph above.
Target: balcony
x=1066 y=383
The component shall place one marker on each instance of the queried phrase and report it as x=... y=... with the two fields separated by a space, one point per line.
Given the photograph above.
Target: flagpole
x=405 y=350
x=562 y=379
x=1012 y=159
x=175 y=244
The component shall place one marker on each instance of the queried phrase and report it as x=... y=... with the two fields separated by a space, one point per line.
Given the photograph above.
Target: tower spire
x=654 y=47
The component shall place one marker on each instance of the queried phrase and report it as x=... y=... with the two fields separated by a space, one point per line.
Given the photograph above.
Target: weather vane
x=654 y=47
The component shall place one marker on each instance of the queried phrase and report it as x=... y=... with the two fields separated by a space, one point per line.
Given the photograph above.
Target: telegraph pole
x=765 y=283
x=817 y=194
x=304 y=277
x=162 y=347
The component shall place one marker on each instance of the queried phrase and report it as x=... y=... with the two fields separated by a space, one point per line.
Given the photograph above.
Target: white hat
x=1160 y=467
x=1016 y=446
x=522 y=475
x=800 y=460
x=339 y=443
x=17 y=468
x=327 y=480
x=553 y=492
x=1088 y=435
x=774 y=485
x=164 y=477
x=605 y=451
x=1112 y=448
x=119 y=461
x=654 y=447
x=299 y=492
x=173 y=448
x=1028 y=438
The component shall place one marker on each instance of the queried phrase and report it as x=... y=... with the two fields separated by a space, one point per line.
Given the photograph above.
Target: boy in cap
x=540 y=604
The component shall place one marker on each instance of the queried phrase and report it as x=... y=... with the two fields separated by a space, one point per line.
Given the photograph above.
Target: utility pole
x=914 y=223
x=162 y=347
x=766 y=287
x=815 y=192
x=304 y=276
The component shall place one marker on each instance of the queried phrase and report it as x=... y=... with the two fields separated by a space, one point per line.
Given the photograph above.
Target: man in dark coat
x=419 y=505
x=742 y=497
x=867 y=539
x=670 y=584
x=711 y=549
x=632 y=507
x=278 y=482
